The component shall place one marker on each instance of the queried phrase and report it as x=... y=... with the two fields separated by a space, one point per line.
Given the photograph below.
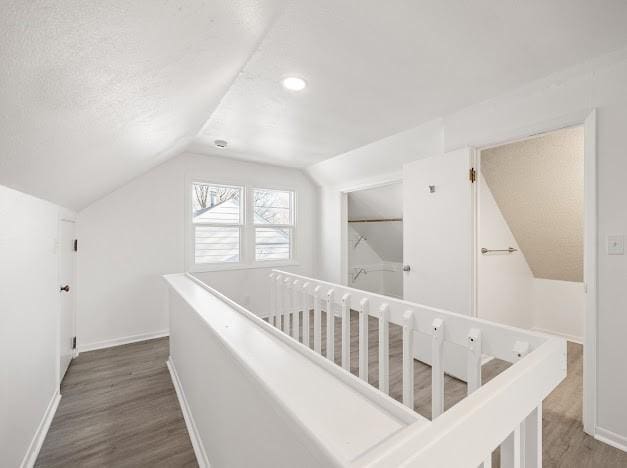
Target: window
x=217 y=223
x=235 y=226
x=273 y=220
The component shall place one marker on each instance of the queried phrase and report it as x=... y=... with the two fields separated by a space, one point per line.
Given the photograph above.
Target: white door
x=438 y=233
x=66 y=292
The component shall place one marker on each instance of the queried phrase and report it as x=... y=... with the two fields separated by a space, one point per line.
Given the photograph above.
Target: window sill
x=241 y=266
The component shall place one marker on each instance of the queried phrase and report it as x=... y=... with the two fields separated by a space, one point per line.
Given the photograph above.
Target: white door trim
x=64 y=217
x=587 y=119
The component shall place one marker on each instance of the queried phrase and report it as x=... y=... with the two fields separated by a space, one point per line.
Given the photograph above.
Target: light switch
x=615 y=245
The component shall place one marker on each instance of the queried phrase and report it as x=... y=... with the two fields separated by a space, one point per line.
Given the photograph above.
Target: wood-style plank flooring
x=119 y=408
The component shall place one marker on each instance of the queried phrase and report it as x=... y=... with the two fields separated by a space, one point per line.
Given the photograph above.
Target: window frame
x=240 y=226
x=247 y=256
x=290 y=227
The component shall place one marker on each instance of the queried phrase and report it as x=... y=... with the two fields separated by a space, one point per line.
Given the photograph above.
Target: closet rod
x=383 y=220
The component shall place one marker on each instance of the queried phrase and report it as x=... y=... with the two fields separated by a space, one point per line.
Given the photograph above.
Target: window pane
x=215 y=244
x=272 y=207
x=273 y=243
x=216 y=204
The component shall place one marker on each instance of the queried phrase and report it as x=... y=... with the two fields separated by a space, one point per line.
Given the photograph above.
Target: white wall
x=509 y=293
x=559 y=308
x=539 y=106
x=136 y=234
x=505 y=281
x=29 y=319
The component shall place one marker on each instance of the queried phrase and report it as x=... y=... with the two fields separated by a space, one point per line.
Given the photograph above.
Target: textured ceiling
x=94 y=93
x=375 y=68
x=538 y=186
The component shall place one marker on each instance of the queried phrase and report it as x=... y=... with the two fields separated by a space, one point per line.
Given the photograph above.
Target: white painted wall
x=559 y=308
x=383 y=277
x=29 y=318
x=508 y=292
x=505 y=282
x=532 y=108
x=135 y=234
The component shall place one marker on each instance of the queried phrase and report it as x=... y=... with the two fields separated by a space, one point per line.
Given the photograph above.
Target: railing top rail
x=499 y=340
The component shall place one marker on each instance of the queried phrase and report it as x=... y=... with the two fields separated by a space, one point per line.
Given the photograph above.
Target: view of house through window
x=273 y=224
x=217 y=223
x=221 y=213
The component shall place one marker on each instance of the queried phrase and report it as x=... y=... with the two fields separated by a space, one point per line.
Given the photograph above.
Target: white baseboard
x=40 y=434
x=574 y=339
x=611 y=438
x=122 y=341
x=199 y=449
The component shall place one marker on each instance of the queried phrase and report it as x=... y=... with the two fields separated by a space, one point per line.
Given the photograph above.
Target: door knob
x=406 y=268
x=65 y=288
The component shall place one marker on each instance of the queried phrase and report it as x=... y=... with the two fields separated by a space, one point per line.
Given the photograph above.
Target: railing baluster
x=287 y=299
x=317 y=324
x=279 y=301
x=330 y=326
x=473 y=368
x=272 y=312
x=511 y=454
x=513 y=447
x=306 y=314
x=364 y=307
x=346 y=331
x=408 y=359
x=295 y=310
x=437 y=369
x=384 y=349
x=531 y=434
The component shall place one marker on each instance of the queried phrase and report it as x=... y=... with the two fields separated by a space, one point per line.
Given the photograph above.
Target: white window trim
x=247 y=233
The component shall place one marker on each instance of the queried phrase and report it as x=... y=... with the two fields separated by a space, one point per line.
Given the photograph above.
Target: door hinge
x=472 y=175
x=73 y=342
x=75 y=245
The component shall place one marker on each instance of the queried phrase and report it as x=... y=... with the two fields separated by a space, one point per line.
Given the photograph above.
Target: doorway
x=375 y=239
x=67 y=293
x=536 y=245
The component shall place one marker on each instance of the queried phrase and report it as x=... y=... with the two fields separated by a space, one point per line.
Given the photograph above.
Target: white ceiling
x=375 y=68
x=93 y=94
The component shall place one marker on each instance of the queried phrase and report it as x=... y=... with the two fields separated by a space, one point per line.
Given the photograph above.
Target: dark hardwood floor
x=119 y=408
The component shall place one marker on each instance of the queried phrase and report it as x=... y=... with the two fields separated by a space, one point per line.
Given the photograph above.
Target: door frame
x=65 y=217
x=588 y=120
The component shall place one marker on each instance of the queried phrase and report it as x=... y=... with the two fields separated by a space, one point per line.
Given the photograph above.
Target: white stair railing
x=473 y=428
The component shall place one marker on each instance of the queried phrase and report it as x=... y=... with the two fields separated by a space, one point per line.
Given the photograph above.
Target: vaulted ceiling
x=93 y=94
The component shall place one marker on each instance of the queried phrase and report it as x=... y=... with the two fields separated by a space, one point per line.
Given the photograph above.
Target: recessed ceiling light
x=293 y=83
x=221 y=143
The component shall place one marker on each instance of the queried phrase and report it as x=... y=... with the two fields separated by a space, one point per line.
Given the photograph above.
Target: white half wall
x=29 y=324
x=131 y=237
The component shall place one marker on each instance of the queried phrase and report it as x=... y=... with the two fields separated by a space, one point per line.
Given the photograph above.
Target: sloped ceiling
x=538 y=186
x=94 y=93
x=386 y=202
x=376 y=68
